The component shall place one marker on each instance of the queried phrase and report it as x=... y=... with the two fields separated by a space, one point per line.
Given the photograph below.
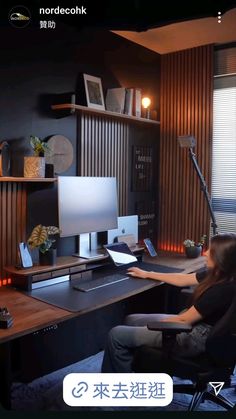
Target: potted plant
x=34 y=166
x=43 y=238
x=194 y=249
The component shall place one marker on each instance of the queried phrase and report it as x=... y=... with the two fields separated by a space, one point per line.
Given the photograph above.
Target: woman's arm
x=189 y=316
x=177 y=279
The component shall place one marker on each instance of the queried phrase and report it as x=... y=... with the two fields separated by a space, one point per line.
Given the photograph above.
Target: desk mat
x=64 y=296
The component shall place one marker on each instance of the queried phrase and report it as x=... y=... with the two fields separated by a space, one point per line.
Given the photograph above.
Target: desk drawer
x=78 y=268
x=41 y=277
x=60 y=272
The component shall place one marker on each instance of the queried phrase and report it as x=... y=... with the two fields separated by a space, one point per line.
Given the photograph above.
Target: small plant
x=203 y=239
x=39 y=146
x=191 y=243
x=43 y=237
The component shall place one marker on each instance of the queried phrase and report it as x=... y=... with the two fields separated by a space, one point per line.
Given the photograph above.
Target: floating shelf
x=85 y=109
x=25 y=179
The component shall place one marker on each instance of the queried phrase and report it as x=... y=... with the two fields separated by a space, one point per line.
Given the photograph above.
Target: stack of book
x=124 y=100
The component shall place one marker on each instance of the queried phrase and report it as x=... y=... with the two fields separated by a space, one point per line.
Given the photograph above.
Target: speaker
x=49 y=170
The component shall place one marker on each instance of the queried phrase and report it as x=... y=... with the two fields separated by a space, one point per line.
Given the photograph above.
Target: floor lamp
x=188 y=141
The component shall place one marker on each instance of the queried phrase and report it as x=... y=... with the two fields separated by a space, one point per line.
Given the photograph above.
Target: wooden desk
x=31 y=315
x=28 y=313
x=177 y=260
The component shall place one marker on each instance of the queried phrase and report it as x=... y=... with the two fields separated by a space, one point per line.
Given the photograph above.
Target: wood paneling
x=103 y=145
x=186 y=108
x=12 y=222
x=128 y=151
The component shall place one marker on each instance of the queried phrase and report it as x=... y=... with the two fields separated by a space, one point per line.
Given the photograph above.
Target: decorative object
x=48 y=258
x=146 y=102
x=34 y=166
x=60 y=153
x=194 y=249
x=43 y=237
x=142 y=168
x=94 y=92
x=39 y=146
x=115 y=99
x=4 y=159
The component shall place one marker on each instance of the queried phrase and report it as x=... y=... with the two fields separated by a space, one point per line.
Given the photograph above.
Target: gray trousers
x=123 y=340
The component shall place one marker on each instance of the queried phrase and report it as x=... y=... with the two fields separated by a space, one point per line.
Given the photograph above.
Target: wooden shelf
x=85 y=109
x=25 y=179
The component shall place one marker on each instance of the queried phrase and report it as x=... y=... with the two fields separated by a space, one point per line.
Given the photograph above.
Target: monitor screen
x=126 y=225
x=86 y=204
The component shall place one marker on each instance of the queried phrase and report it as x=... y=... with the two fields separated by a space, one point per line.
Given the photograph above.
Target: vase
x=48 y=258
x=193 y=251
x=34 y=167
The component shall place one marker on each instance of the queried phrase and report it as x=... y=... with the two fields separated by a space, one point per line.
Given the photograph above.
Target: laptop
x=120 y=253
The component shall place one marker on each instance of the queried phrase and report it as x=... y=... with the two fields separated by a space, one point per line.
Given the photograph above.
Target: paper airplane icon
x=217 y=386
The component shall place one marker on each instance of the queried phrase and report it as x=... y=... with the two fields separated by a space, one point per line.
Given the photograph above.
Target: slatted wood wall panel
x=12 y=222
x=103 y=151
x=186 y=108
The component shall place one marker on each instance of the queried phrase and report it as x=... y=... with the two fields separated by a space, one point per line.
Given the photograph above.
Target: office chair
x=217 y=363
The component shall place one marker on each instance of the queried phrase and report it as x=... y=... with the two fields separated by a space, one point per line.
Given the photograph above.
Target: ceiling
x=186 y=34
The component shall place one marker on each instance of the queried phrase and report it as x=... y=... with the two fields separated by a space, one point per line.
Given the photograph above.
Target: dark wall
x=38 y=63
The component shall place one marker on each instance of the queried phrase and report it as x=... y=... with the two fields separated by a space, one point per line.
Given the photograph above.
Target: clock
x=60 y=153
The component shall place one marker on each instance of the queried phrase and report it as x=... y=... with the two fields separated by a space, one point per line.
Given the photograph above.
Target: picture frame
x=94 y=92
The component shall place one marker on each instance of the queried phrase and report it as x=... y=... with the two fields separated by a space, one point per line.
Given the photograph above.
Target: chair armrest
x=170 y=327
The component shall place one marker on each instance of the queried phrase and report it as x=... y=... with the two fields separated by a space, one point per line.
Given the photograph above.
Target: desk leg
x=5 y=375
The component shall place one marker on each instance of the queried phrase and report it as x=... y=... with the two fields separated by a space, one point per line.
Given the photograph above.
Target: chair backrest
x=221 y=342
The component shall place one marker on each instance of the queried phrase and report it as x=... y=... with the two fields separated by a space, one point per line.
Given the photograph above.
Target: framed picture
x=94 y=93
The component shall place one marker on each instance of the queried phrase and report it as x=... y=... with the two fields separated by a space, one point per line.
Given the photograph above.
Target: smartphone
x=25 y=257
x=150 y=248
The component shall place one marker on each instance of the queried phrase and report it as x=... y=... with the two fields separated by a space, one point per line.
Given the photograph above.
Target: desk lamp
x=188 y=141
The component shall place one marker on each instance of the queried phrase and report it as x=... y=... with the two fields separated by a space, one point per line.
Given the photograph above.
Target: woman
x=212 y=296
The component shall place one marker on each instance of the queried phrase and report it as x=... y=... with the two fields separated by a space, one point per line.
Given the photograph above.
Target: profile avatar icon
x=19 y=16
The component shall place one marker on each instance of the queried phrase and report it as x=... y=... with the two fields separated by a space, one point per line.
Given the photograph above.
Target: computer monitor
x=127 y=225
x=86 y=205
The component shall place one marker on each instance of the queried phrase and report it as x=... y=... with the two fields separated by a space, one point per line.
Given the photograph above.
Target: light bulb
x=146 y=102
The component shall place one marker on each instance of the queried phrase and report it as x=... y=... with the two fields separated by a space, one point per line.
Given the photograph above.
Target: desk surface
x=31 y=314
x=177 y=260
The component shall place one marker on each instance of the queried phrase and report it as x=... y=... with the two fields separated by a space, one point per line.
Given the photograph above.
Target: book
x=115 y=99
x=129 y=101
x=137 y=102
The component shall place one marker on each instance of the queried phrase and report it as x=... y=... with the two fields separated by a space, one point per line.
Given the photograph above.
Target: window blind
x=224 y=148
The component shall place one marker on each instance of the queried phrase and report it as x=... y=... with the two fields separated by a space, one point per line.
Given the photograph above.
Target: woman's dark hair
x=223 y=255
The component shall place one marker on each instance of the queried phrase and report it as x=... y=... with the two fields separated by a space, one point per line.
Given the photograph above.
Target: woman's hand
x=174 y=319
x=190 y=316
x=137 y=273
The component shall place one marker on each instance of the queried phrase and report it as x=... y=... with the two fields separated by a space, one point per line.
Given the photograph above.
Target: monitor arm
x=204 y=189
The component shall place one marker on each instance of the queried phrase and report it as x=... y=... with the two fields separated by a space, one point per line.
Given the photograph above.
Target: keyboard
x=100 y=282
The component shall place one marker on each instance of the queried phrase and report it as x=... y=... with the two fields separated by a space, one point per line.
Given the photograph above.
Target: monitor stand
x=87 y=248
x=90 y=254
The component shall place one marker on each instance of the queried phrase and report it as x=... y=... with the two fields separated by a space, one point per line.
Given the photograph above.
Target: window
x=224 y=147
